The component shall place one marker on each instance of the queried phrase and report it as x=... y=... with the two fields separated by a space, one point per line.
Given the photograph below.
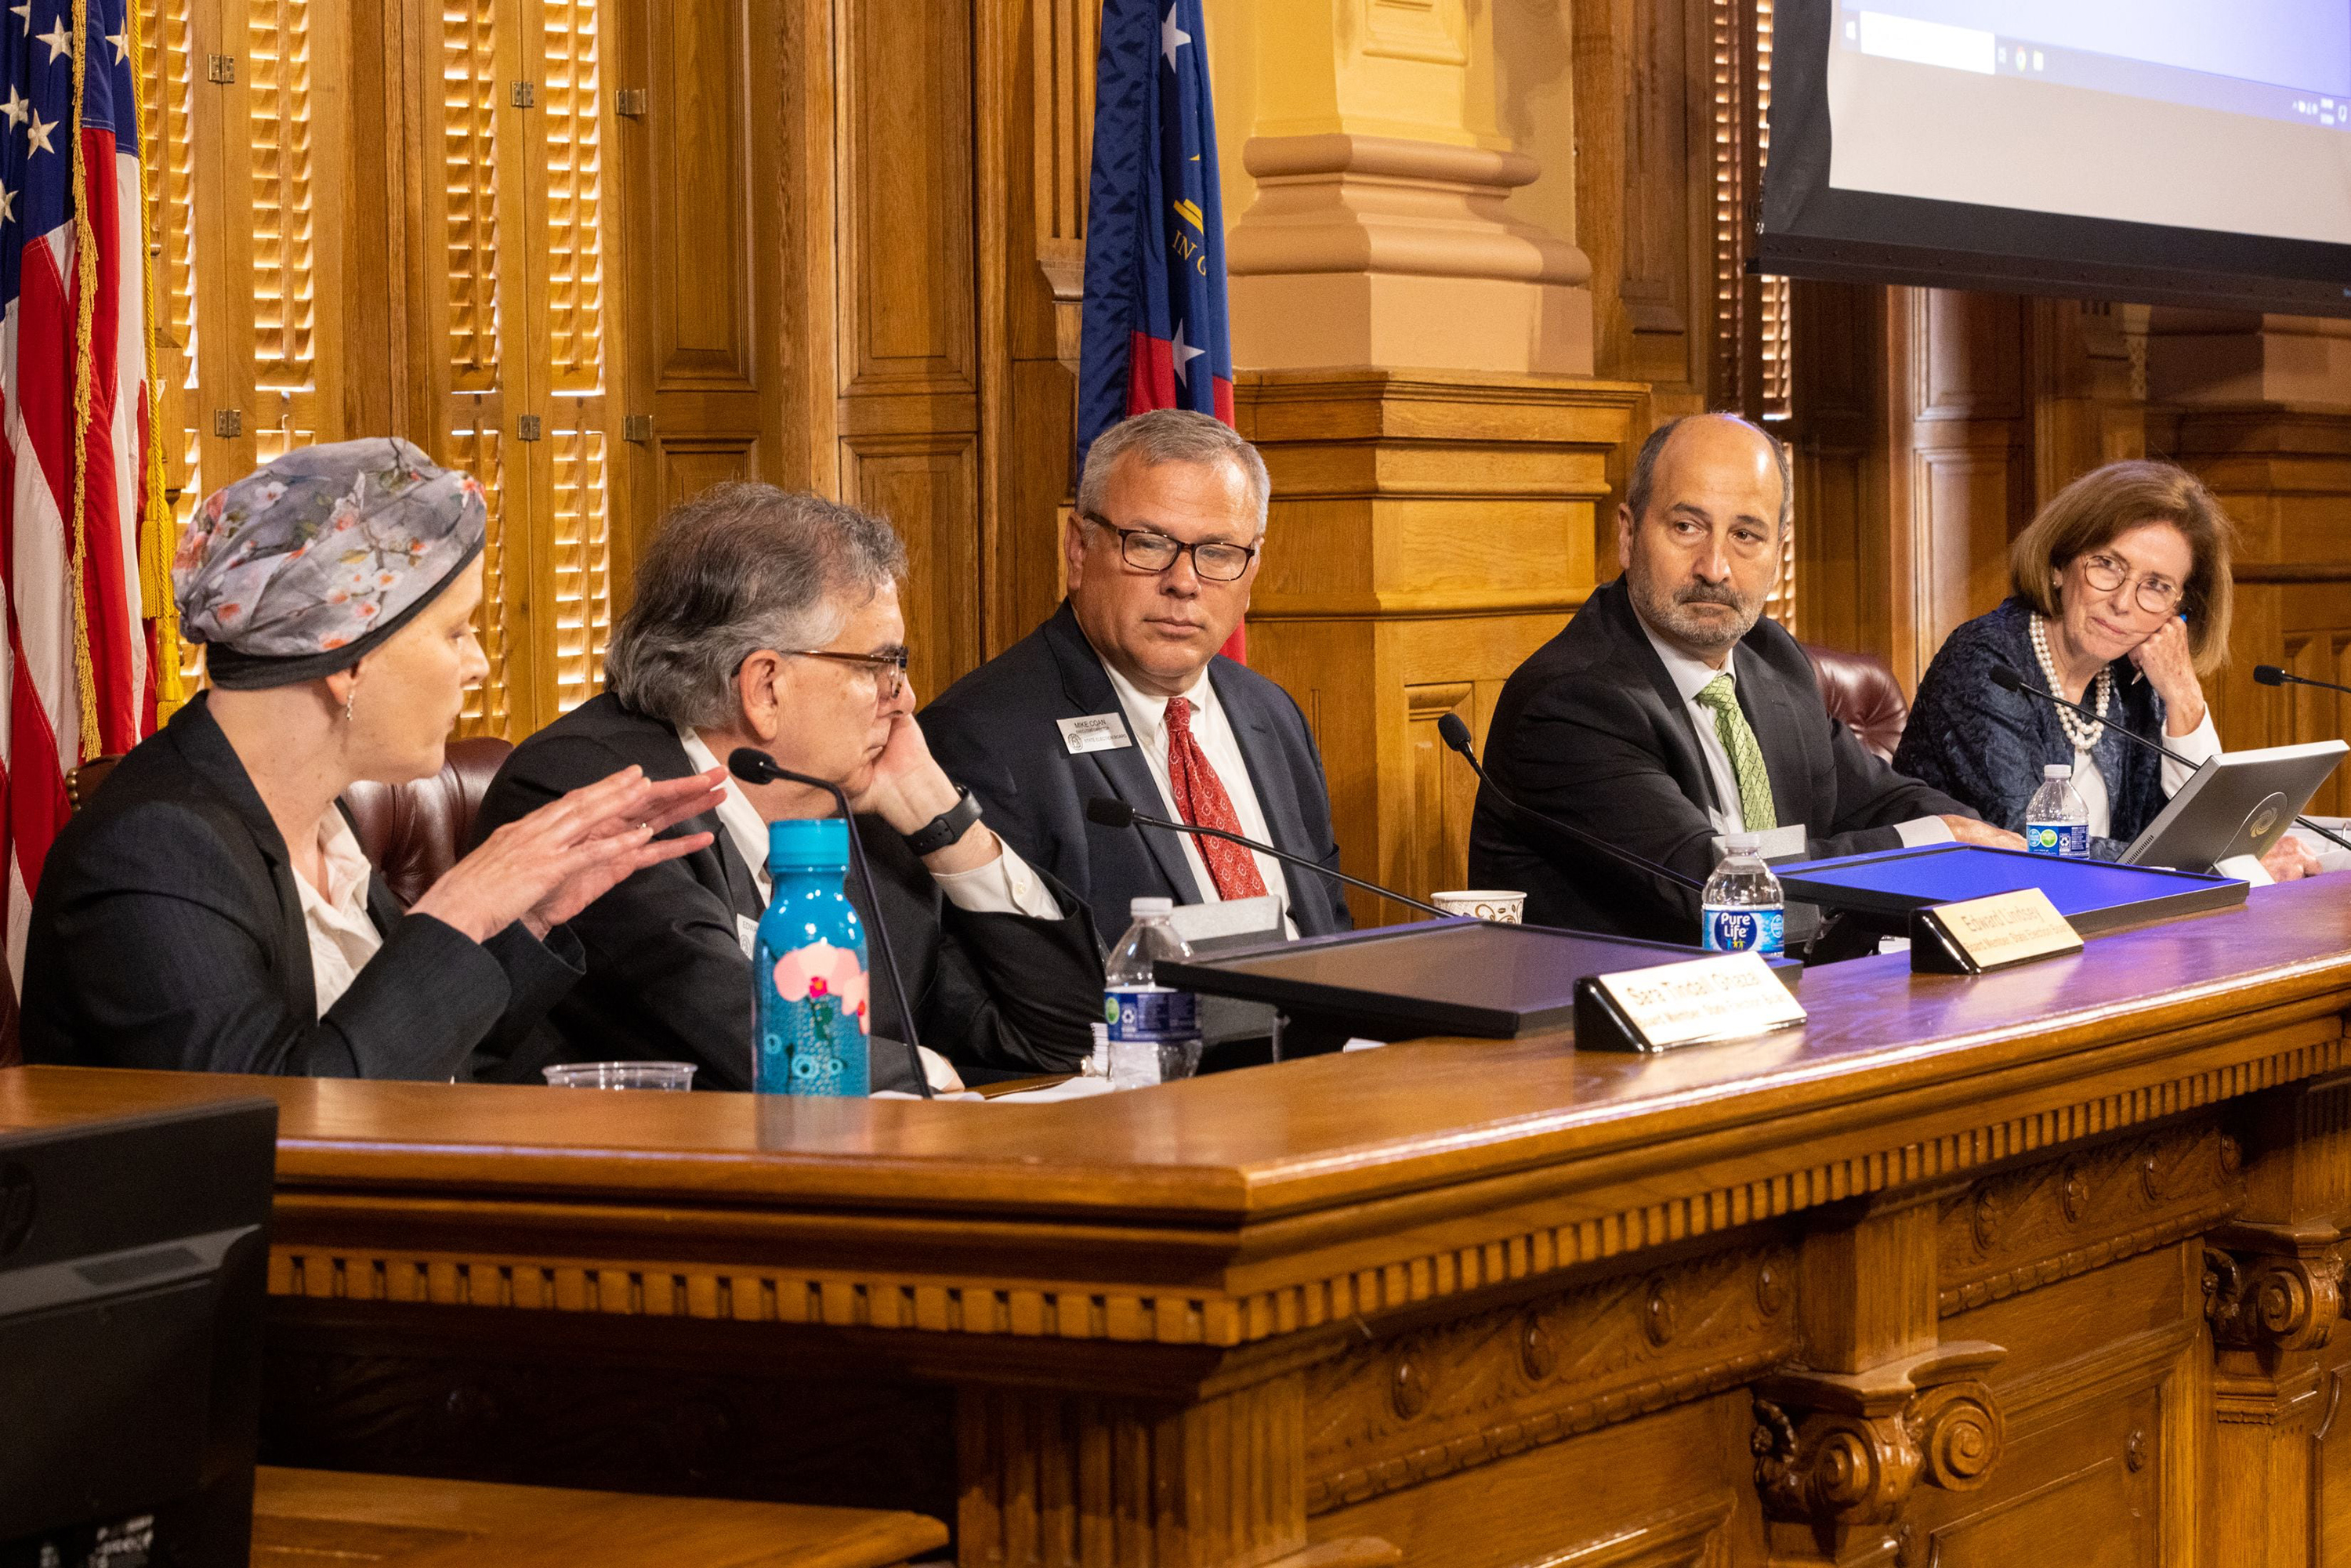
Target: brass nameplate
x=1980 y=934
x=1733 y=996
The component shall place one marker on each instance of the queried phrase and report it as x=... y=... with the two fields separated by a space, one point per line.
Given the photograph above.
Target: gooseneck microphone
x=1454 y=734
x=754 y=765
x=2008 y=680
x=2271 y=675
x=1111 y=813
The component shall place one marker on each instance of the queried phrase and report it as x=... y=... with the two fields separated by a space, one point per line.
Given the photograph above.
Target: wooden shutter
x=515 y=215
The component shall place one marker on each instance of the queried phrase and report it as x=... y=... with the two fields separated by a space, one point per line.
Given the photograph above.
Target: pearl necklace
x=2083 y=734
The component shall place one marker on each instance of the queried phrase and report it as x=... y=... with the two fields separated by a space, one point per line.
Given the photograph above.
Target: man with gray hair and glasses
x=1123 y=694
x=770 y=619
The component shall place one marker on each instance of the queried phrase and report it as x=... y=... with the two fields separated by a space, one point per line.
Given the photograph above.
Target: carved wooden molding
x=1833 y=1449
x=2273 y=1287
x=2019 y=1231
x=760 y=1293
x=1397 y=1411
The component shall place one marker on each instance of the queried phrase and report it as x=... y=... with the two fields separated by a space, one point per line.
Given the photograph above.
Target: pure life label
x=1745 y=930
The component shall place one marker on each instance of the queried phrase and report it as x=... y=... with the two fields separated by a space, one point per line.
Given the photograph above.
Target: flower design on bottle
x=827 y=994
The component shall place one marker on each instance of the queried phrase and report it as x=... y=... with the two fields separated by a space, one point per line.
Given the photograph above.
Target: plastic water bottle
x=808 y=969
x=2057 y=822
x=1155 y=1031
x=1743 y=910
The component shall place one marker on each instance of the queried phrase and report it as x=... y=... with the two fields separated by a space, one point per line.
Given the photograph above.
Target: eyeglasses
x=1146 y=550
x=2155 y=595
x=888 y=670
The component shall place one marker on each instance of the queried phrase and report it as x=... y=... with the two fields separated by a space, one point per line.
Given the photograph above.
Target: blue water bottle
x=807 y=968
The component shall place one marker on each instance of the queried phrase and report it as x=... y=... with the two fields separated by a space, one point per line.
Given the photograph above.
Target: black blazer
x=1591 y=730
x=996 y=732
x=667 y=977
x=167 y=933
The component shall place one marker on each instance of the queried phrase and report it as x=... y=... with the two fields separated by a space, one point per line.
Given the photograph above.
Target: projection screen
x=2171 y=152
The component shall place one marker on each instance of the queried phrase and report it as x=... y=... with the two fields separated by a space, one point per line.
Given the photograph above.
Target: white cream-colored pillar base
x=1303 y=321
x=1383 y=251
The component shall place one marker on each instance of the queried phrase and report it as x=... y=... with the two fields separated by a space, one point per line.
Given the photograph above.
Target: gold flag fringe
x=85 y=331
x=157 y=529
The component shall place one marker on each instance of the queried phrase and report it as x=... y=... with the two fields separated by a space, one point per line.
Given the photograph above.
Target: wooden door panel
x=929 y=486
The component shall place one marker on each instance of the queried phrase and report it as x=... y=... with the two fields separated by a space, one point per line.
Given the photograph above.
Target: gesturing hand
x=546 y=867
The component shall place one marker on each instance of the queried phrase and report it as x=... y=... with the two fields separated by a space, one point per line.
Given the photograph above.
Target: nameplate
x=1733 y=996
x=1094 y=732
x=1979 y=934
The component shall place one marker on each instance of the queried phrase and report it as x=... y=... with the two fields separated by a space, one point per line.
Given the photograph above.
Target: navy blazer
x=1592 y=731
x=668 y=979
x=1986 y=747
x=996 y=732
x=168 y=933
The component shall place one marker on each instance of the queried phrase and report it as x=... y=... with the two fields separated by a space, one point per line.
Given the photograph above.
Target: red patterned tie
x=1201 y=801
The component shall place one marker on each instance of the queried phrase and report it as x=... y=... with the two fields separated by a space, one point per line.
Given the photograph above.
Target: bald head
x=1698 y=536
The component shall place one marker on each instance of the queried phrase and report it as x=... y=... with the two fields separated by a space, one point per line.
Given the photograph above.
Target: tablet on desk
x=2239 y=803
x=1884 y=887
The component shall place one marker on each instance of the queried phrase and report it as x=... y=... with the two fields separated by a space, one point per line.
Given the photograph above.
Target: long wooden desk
x=2041 y=1267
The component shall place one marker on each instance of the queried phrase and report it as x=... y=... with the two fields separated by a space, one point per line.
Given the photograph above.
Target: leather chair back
x=1862 y=693
x=413 y=832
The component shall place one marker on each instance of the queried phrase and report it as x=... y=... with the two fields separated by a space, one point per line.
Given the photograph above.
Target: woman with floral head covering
x=210 y=909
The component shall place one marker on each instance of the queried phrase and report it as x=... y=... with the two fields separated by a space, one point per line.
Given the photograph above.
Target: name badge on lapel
x=746 y=932
x=1094 y=732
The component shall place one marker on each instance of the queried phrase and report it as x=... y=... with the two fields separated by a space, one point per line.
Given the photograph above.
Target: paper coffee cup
x=1484 y=903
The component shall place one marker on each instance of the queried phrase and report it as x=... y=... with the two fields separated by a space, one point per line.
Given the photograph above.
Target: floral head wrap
x=304 y=566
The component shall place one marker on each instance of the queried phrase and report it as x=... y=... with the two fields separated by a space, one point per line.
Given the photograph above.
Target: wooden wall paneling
x=1644 y=131
x=1837 y=430
x=1961 y=435
x=1049 y=69
x=908 y=303
x=709 y=179
x=932 y=475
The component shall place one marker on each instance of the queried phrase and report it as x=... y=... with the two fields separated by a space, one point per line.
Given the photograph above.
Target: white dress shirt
x=1005 y=885
x=1146 y=719
x=2199 y=745
x=1690 y=676
x=342 y=937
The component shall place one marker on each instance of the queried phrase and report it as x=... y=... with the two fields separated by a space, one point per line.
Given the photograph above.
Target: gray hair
x=739 y=568
x=1170 y=435
x=1645 y=465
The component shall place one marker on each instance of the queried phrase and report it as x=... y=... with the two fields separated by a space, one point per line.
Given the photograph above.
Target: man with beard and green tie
x=1669 y=712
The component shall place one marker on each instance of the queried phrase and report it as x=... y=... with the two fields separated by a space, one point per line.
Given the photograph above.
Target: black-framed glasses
x=2155 y=595
x=1147 y=549
x=888 y=670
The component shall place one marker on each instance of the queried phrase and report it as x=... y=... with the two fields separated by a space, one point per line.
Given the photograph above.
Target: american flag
x=74 y=667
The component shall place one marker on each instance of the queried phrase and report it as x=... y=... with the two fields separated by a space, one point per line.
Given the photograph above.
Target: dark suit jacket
x=667 y=978
x=1591 y=730
x=167 y=933
x=997 y=733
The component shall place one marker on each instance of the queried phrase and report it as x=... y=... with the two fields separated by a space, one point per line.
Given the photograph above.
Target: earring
x=349 y=700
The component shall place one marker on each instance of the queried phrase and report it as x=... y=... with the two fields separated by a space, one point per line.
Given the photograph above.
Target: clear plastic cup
x=621 y=1075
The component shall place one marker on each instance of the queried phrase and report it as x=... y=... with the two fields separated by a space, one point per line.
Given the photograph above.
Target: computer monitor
x=134 y=1257
x=2239 y=803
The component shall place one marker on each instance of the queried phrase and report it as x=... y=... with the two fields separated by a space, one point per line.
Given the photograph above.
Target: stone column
x=1414 y=358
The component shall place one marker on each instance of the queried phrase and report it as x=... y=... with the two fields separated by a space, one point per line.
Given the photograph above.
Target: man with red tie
x=1123 y=693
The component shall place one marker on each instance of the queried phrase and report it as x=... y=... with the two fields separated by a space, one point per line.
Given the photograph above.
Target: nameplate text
x=1732 y=997
x=2004 y=928
x=1094 y=732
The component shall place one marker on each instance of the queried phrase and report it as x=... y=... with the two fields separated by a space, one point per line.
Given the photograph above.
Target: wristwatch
x=947 y=826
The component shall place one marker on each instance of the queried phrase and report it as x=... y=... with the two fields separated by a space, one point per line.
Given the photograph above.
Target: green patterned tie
x=1746 y=757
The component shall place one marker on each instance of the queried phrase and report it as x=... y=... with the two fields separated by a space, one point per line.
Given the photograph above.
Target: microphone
x=1113 y=813
x=1454 y=734
x=754 y=765
x=2271 y=675
x=2008 y=680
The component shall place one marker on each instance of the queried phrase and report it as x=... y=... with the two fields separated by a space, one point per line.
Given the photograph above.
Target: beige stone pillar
x=1415 y=351
x=1379 y=233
